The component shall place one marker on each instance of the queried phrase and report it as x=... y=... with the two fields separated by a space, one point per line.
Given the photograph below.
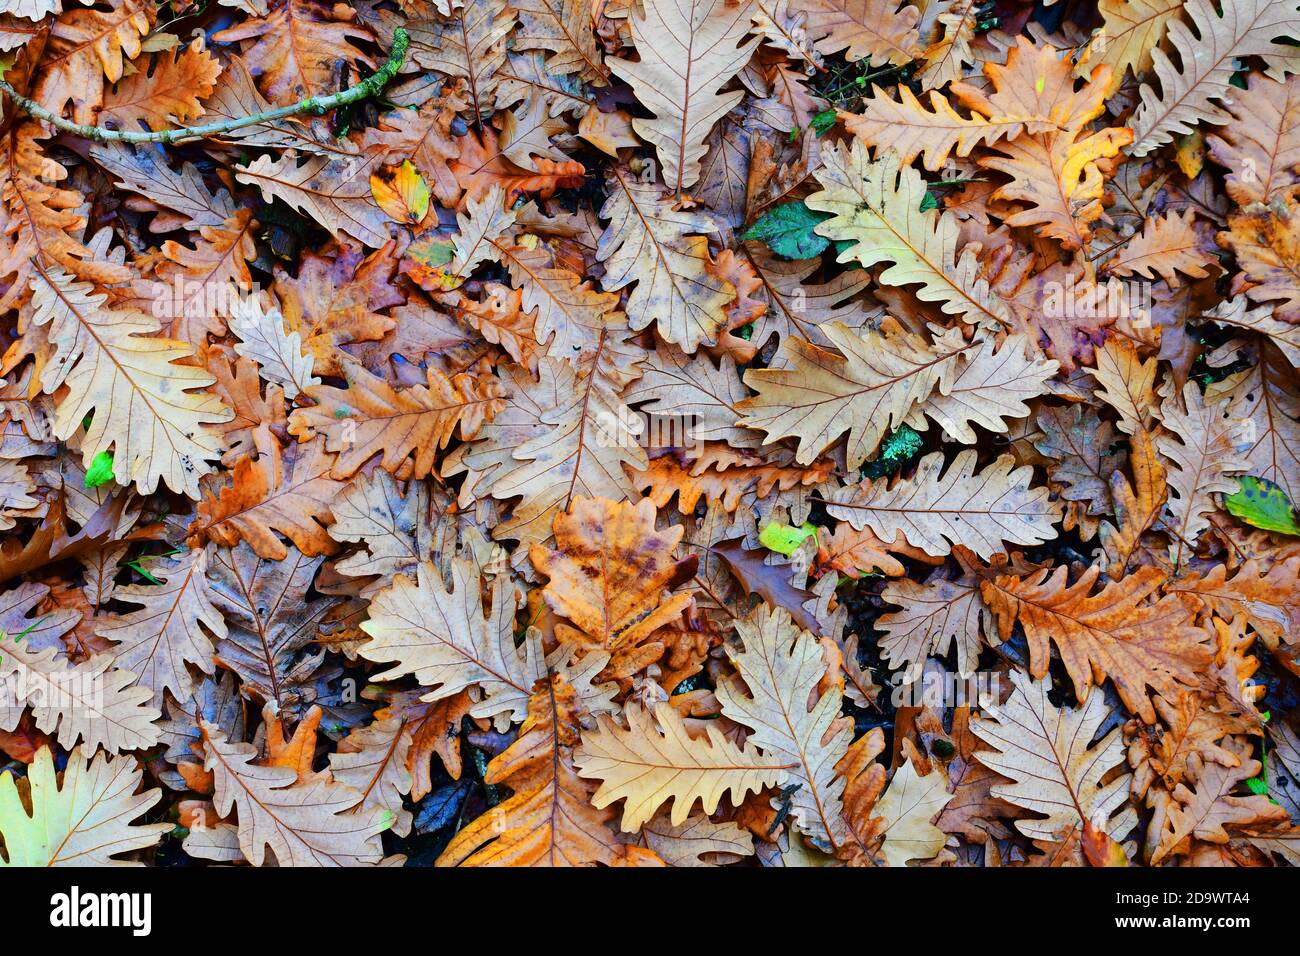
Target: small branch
x=319 y=105
x=1112 y=247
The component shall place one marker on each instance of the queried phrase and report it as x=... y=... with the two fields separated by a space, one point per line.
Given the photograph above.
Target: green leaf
x=100 y=471
x=424 y=261
x=1261 y=503
x=432 y=251
x=788 y=231
x=901 y=444
x=784 y=539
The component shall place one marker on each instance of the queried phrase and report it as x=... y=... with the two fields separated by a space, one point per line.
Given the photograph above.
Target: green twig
x=320 y=105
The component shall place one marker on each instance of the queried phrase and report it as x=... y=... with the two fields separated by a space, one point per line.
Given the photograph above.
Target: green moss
x=899 y=447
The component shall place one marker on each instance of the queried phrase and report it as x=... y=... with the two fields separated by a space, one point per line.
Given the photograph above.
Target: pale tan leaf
x=1203 y=458
x=936 y=512
x=277 y=351
x=443 y=637
x=697 y=842
x=950 y=52
x=1126 y=383
x=990 y=385
x=468 y=44
x=868 y=391
x=654 y=761
x=1080 y=443
x=396 y=528
x=1236 y=312
x=92 y=702
x=1055 y=769
x=142 y=399
x=780 y=667
x=372 y=761
x=798 y=307
x=141 y=170
x=170 y=630
x=1208 y=57
x=865 y=28
x=688 y=51
x=907 y=809
x=562 y=436
x=1266 y=399
x=334 y=191
x=565 y=29
x=1260 y=147
x=665 y=252
x=1166 y=247
x=1132 y=29
x=694 y=388
x=876 y=206
x=934 y=617
x=302 y=823
x=84 y=822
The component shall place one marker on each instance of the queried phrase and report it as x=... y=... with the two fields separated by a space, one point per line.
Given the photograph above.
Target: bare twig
x=319 y=105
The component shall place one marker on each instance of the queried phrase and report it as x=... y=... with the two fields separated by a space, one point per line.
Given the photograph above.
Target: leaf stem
x=319 y=105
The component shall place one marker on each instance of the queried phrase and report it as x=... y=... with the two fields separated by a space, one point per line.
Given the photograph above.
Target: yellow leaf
x=1191 y=154
x=401 y=192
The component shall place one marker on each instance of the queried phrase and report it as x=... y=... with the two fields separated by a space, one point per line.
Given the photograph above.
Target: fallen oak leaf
x=608 y=573
x=371 y=418
x=771 y=582
x=301 y=822
x=1055 y=770
x=655 y=760
x=936 y=513
x=1110 y=633
x=549 y=819
x=86 y=821
x=779 y=667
